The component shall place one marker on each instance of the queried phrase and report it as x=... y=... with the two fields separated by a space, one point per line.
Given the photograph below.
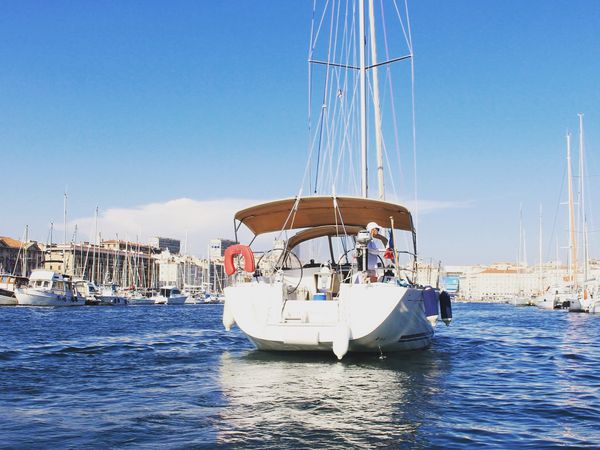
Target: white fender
x=228 y=319
x=341 y=339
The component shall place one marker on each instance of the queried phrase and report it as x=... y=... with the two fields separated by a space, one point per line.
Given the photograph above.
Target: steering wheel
x=274 y=260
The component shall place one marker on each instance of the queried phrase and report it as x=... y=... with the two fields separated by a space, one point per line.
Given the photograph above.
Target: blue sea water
x=171 y=377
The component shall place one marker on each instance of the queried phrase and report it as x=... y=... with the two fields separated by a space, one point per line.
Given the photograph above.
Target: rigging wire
x=558 y=204
x=333 y=144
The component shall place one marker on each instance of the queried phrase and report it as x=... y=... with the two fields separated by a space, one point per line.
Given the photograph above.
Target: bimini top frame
x=319 y=211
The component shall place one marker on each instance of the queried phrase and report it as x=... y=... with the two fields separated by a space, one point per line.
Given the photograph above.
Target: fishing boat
x=169 y=295
x=327 y=283
x=48 y=288
x=8 y=285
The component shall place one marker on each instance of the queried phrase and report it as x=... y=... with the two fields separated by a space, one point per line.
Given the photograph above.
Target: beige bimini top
x=310 y=212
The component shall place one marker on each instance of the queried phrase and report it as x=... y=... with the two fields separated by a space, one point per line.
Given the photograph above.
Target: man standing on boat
x=374 y=250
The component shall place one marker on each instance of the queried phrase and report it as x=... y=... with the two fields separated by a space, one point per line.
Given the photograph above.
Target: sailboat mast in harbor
x=572 y=241
x=541 y=276
x=95 y=246
x=65 y=237
x=363 y=102
x=25 y=251
x=582 y=201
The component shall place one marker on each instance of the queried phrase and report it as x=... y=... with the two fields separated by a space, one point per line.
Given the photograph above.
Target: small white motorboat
x=169 y=295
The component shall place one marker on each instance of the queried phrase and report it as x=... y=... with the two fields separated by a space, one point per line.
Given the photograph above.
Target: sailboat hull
x=376 y=317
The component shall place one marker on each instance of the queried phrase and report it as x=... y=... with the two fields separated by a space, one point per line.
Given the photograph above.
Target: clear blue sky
x=129 y=103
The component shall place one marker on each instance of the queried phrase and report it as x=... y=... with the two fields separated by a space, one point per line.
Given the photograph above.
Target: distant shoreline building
x=217 y=248
x=163 y=243
x=121 y=262
x=19 y=257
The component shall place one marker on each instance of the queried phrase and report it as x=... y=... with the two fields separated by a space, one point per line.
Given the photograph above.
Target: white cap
x=372 y=225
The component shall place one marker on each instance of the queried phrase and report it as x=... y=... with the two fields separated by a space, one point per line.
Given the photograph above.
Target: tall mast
x=65 y=215
x=363 y=98
x=572 y=242
x=208 y=268
x=582 y=201
x=540 y=268
x=25 y=251
x=95 y=247
x=65 y=240
x=376 y=105
x=520 y=252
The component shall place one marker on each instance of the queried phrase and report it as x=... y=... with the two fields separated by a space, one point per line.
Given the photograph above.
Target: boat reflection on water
x=299 y=399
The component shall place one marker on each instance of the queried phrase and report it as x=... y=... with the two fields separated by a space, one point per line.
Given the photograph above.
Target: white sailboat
x=332 y=301
x=584 y=300
x=519 y=298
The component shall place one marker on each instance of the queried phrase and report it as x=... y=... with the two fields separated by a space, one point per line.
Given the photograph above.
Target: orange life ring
x=245 y=252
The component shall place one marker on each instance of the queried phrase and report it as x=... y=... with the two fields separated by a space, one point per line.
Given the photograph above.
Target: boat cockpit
x=330 y=246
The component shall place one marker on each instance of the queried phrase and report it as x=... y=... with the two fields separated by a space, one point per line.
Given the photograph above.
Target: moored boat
x=519 y=300
x=108 y=295
x=169 y=295
x=87 y=290
x=8 y=284
x=48 y=288
x=136 y=298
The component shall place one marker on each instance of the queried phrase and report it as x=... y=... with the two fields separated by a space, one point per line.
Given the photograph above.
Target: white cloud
x=201 y=219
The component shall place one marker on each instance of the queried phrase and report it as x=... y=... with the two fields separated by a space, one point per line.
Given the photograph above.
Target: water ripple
x=147 y=377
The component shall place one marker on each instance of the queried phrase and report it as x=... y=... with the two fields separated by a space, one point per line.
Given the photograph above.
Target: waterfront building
x=121 y=262
x=190 y=273
x=19 y=257
x=500 y=281
x=217 y=248
x=163 y=243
